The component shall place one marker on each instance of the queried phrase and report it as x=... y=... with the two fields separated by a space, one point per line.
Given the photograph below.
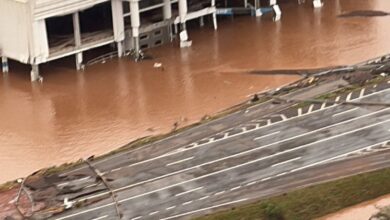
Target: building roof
x=50 y=8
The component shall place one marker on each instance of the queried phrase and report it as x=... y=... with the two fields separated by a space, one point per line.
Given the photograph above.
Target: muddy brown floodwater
x=74 y=115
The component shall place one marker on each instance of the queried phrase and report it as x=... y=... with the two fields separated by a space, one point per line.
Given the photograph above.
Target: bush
x=272 y=211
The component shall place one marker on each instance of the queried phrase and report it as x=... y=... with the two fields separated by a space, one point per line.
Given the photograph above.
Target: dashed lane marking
x=264 y=136
x=231 y=136
x=102 y=217
x=189 y=191
x=265 y=179
x=235 y=188
x=180 y=161
x=349 y=96
x=137 y=218
x=362 y=92
x=187 y=203
x=219 y=193
x=204 y=209
x=117 y=169
x=205 y=197
x=169 y=208
x=345 y=112
x=251 y=183
x=336 y=157
x=323 y=105
x=299 y=111
x=287 y=161
x=284 y=117
x=243 y=153
x=310 y=108
x=281 y=174
x=154 y=213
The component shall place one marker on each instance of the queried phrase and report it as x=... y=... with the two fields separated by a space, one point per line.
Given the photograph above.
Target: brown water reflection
x=74 y=115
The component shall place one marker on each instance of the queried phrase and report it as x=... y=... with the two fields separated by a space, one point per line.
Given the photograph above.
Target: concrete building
x=39 y=31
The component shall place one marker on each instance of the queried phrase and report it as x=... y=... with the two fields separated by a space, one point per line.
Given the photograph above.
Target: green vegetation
x=313 y=202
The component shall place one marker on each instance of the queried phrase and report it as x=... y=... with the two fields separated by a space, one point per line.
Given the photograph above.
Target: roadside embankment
x=315 y=201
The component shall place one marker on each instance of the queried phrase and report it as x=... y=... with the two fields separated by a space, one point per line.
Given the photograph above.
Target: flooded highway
x=75 y=115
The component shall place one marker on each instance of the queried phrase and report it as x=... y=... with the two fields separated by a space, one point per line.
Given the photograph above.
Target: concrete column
x=183 y=10
x=77 y=39
x=201 y=21
x=214 y=15
x=35 y=73
x=167 y=15
x=317 y=3
x=4 y=64
x=167 y=10
x=276 y=9
x=118 y=24
x=135 y=24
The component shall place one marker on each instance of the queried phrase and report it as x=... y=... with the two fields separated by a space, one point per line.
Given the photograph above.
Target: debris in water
x=157 y=65
x=255 y=98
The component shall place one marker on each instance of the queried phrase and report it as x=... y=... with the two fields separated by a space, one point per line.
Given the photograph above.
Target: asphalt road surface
x=259 y=158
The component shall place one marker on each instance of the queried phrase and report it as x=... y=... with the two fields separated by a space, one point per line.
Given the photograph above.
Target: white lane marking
x=180 y=161
x=374 y=86
x=337 y=99
x=62 y=184
x=388 y=82
x=323 y=105
x=262 y=180
x=310 y=109
x=90 y=186
x=334 y=158
x=187 y=203
x=243 y=129
x=281 y=174
x=231 y=136
x=261 y=137
x=136 y=218
x=349 y=96
x=189 y=191
x=283 y=117
x=73 y=181
x=265 y=179
x=269 y=122
x=219 y=193
x=299 y=111
x=235 y=188
x=153 y=213
x=251 y=183
x=362 y=92
x=117 y=169
x=236 y=155
x=204 y=209
x=169 y=208
x=287 y=161
x=102 y=217
x=175 y=135
x=205 y=197
x=345 y=112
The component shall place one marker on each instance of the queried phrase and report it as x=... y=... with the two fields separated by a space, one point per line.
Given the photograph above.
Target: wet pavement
x=74 y=115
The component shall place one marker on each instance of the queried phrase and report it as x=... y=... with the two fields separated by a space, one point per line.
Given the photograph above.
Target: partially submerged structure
x=38 y=31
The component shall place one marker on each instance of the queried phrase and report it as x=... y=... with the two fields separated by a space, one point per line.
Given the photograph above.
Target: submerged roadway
x=259 y=158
